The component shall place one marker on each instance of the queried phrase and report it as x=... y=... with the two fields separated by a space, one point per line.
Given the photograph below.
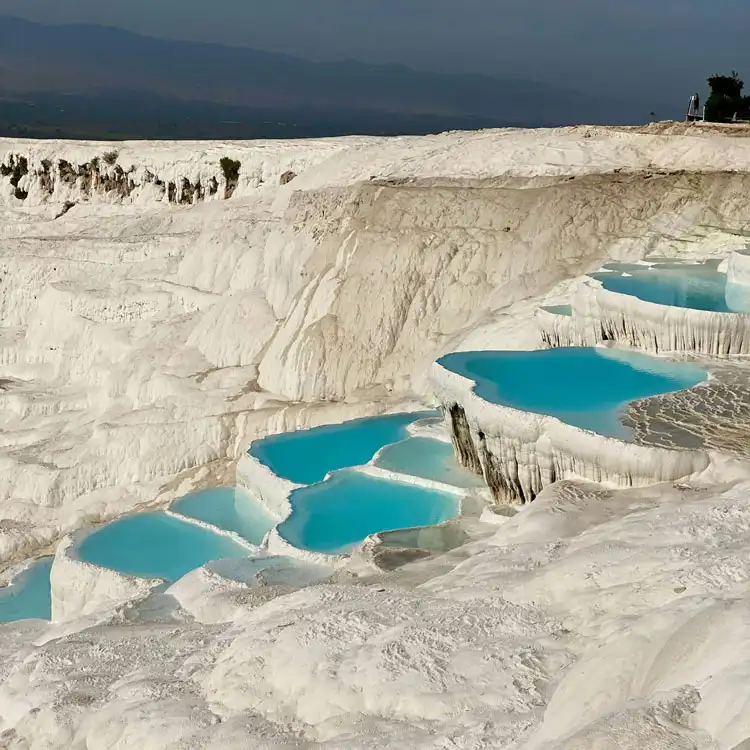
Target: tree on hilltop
x=725 y=99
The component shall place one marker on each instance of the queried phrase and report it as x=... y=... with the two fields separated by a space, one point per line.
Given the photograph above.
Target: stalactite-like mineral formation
x=519 y=453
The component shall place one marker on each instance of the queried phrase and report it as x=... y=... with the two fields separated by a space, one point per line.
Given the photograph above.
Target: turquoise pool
x=28 y=597
x=334 y=515
x=156 y=545
x=306 y=456
x=695 y=286
x=427 y=458
x=583 y=386
x=228 y=508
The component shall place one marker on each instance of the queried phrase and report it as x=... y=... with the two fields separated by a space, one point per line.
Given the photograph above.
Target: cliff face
x=34 y=173
x=101 y=177
x=144 y=343
x=395 y=270
x=602 y=315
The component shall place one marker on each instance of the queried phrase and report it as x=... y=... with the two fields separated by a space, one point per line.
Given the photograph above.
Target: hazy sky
x=654 y=50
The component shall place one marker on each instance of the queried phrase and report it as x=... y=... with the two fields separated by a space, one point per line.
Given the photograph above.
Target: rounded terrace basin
x=228 y=508
x=565 y=310
x=616 y=266
x=698 y=286
x=334 y=515
x=156 y=545
x=585 y=387
x=429 y=459
x=28 y=595
x=274 y=570
x=306 y=456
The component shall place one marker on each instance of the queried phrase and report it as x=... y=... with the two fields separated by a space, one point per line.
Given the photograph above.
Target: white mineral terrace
x=598 y=313
x=520 y=453
x=156 y=318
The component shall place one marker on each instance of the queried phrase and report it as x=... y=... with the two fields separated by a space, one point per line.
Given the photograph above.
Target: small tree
x=231 y=170
x=725 y=99
x=111 y=157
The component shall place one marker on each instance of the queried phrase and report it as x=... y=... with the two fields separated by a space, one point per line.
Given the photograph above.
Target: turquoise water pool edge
x=155 y=545
x=28 y=596
x=331 y=517
x=307 y=456
x=229 y=509
x=697 y=286
x=585 y=387
x=426 y=458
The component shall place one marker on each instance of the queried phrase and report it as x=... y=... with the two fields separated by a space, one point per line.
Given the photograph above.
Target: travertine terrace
x=155 y=319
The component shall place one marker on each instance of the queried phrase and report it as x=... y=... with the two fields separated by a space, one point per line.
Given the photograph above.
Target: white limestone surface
x=269 y=489
x=224 y=590
x=738 y=267
x=145 y=343
x=80 y=589
x=564 y=330
x=591 y=617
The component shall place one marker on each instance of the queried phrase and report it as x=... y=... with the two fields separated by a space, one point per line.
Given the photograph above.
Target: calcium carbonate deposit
x=161 y=316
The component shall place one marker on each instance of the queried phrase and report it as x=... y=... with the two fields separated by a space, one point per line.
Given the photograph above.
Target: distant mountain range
x=89 y=64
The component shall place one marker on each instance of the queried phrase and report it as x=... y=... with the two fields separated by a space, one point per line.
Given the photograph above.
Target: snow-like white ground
x=143 y=345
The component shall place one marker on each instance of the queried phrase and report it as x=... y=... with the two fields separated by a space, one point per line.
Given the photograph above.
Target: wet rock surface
x=714 y=415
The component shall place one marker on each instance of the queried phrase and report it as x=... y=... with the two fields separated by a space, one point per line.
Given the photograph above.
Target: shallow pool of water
x=695 y=286
x=274 y=570
x=28 y=597
x=583 y=386
x=566 y=310
x=427 y=458
x=617 y=266
x=336 y=514
x=306 y=456
x=228 y=508
x=156 y=545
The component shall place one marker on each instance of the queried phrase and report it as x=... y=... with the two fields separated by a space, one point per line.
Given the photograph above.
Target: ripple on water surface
x=156 y=545
x=28 y=597
x=334 y=515
x=306 y=456
x=585 y=387
x=228 y=508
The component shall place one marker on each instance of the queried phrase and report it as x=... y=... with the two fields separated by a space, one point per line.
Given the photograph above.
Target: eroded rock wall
x=394 y=271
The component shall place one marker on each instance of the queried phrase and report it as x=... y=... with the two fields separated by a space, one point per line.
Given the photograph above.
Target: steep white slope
x=600 y=314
